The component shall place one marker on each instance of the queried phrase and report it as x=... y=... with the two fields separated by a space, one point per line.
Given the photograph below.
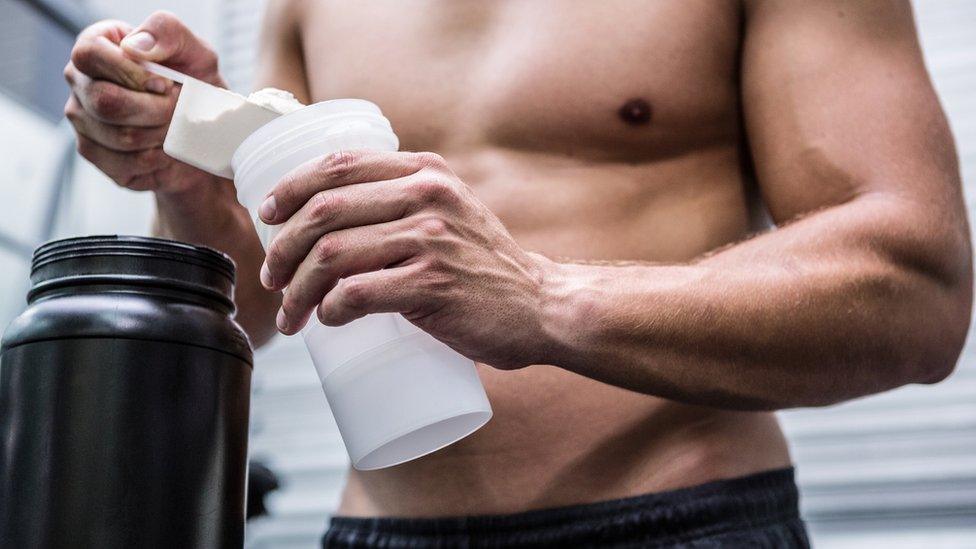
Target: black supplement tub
x=124 y=399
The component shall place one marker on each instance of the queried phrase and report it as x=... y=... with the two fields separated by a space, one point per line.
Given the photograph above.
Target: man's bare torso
x=595 y=131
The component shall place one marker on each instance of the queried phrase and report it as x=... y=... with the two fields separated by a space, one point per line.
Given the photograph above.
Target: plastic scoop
x=165 y=72
x=209 y=122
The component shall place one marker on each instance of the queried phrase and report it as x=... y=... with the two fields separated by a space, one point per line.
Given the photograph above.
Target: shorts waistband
x=749 y=501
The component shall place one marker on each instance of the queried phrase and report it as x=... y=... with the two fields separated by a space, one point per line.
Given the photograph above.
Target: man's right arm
x=121 y=113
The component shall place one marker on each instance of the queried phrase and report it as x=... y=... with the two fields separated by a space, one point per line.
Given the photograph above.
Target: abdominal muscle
x=557 y=438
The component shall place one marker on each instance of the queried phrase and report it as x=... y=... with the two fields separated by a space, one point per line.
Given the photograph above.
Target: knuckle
x=290 y=305
x=70 y=110
x=326 y=249
x=432 y=226
x=326 y=205
x=324 y=314
x=82 y=55
x=338 y=165
x=431 y=190
x=106 y=101
x=355 y=294
x=431 y=160
x=274 y=256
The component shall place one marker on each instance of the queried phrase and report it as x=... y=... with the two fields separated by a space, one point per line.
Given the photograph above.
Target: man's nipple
x=635 y=112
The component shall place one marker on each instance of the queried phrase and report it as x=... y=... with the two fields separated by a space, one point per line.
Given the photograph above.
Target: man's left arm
x=865 y=285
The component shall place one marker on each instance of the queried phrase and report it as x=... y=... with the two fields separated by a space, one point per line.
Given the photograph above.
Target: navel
x=635 y=112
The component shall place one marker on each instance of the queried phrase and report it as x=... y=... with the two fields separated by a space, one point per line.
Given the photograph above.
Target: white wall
x=25 y=184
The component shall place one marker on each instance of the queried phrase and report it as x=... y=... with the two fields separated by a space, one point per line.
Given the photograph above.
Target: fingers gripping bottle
x=395 y=391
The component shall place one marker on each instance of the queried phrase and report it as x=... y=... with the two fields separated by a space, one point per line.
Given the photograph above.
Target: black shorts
x=759 y=510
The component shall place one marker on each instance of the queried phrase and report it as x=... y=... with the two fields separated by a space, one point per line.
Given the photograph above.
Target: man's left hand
x=368 y=232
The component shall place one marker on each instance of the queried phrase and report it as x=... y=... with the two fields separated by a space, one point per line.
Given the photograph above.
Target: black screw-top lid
x=133 y=260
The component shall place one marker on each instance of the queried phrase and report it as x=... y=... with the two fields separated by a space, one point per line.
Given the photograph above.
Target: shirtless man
x=584 y=226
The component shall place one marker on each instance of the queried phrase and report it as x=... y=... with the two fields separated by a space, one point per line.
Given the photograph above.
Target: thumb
x=163 y=38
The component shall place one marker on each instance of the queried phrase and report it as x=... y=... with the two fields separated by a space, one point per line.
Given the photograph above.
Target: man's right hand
x=121 y=112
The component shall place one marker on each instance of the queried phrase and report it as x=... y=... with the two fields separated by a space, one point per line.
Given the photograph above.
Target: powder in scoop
x=279 y=101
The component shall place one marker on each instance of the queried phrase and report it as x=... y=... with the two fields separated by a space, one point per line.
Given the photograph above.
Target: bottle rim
x=138 y=262
x=314 y=122
x=135 y=246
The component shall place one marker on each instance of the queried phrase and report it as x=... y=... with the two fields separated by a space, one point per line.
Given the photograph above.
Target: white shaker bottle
x=396 y=392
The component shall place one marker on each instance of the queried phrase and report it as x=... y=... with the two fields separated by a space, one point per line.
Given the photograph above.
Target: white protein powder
x=209 y=123
x=280 y=101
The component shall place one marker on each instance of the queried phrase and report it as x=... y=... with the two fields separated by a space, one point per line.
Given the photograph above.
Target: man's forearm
x=213 y=217
x=829 y=308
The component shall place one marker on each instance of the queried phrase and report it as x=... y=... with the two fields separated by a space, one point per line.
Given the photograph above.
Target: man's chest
x=614 y=80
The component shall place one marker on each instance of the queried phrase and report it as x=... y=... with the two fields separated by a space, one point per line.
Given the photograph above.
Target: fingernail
x=281 y=321
x=156 y=85
x=266 y=279
x=267 y=209
x=140 y=41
